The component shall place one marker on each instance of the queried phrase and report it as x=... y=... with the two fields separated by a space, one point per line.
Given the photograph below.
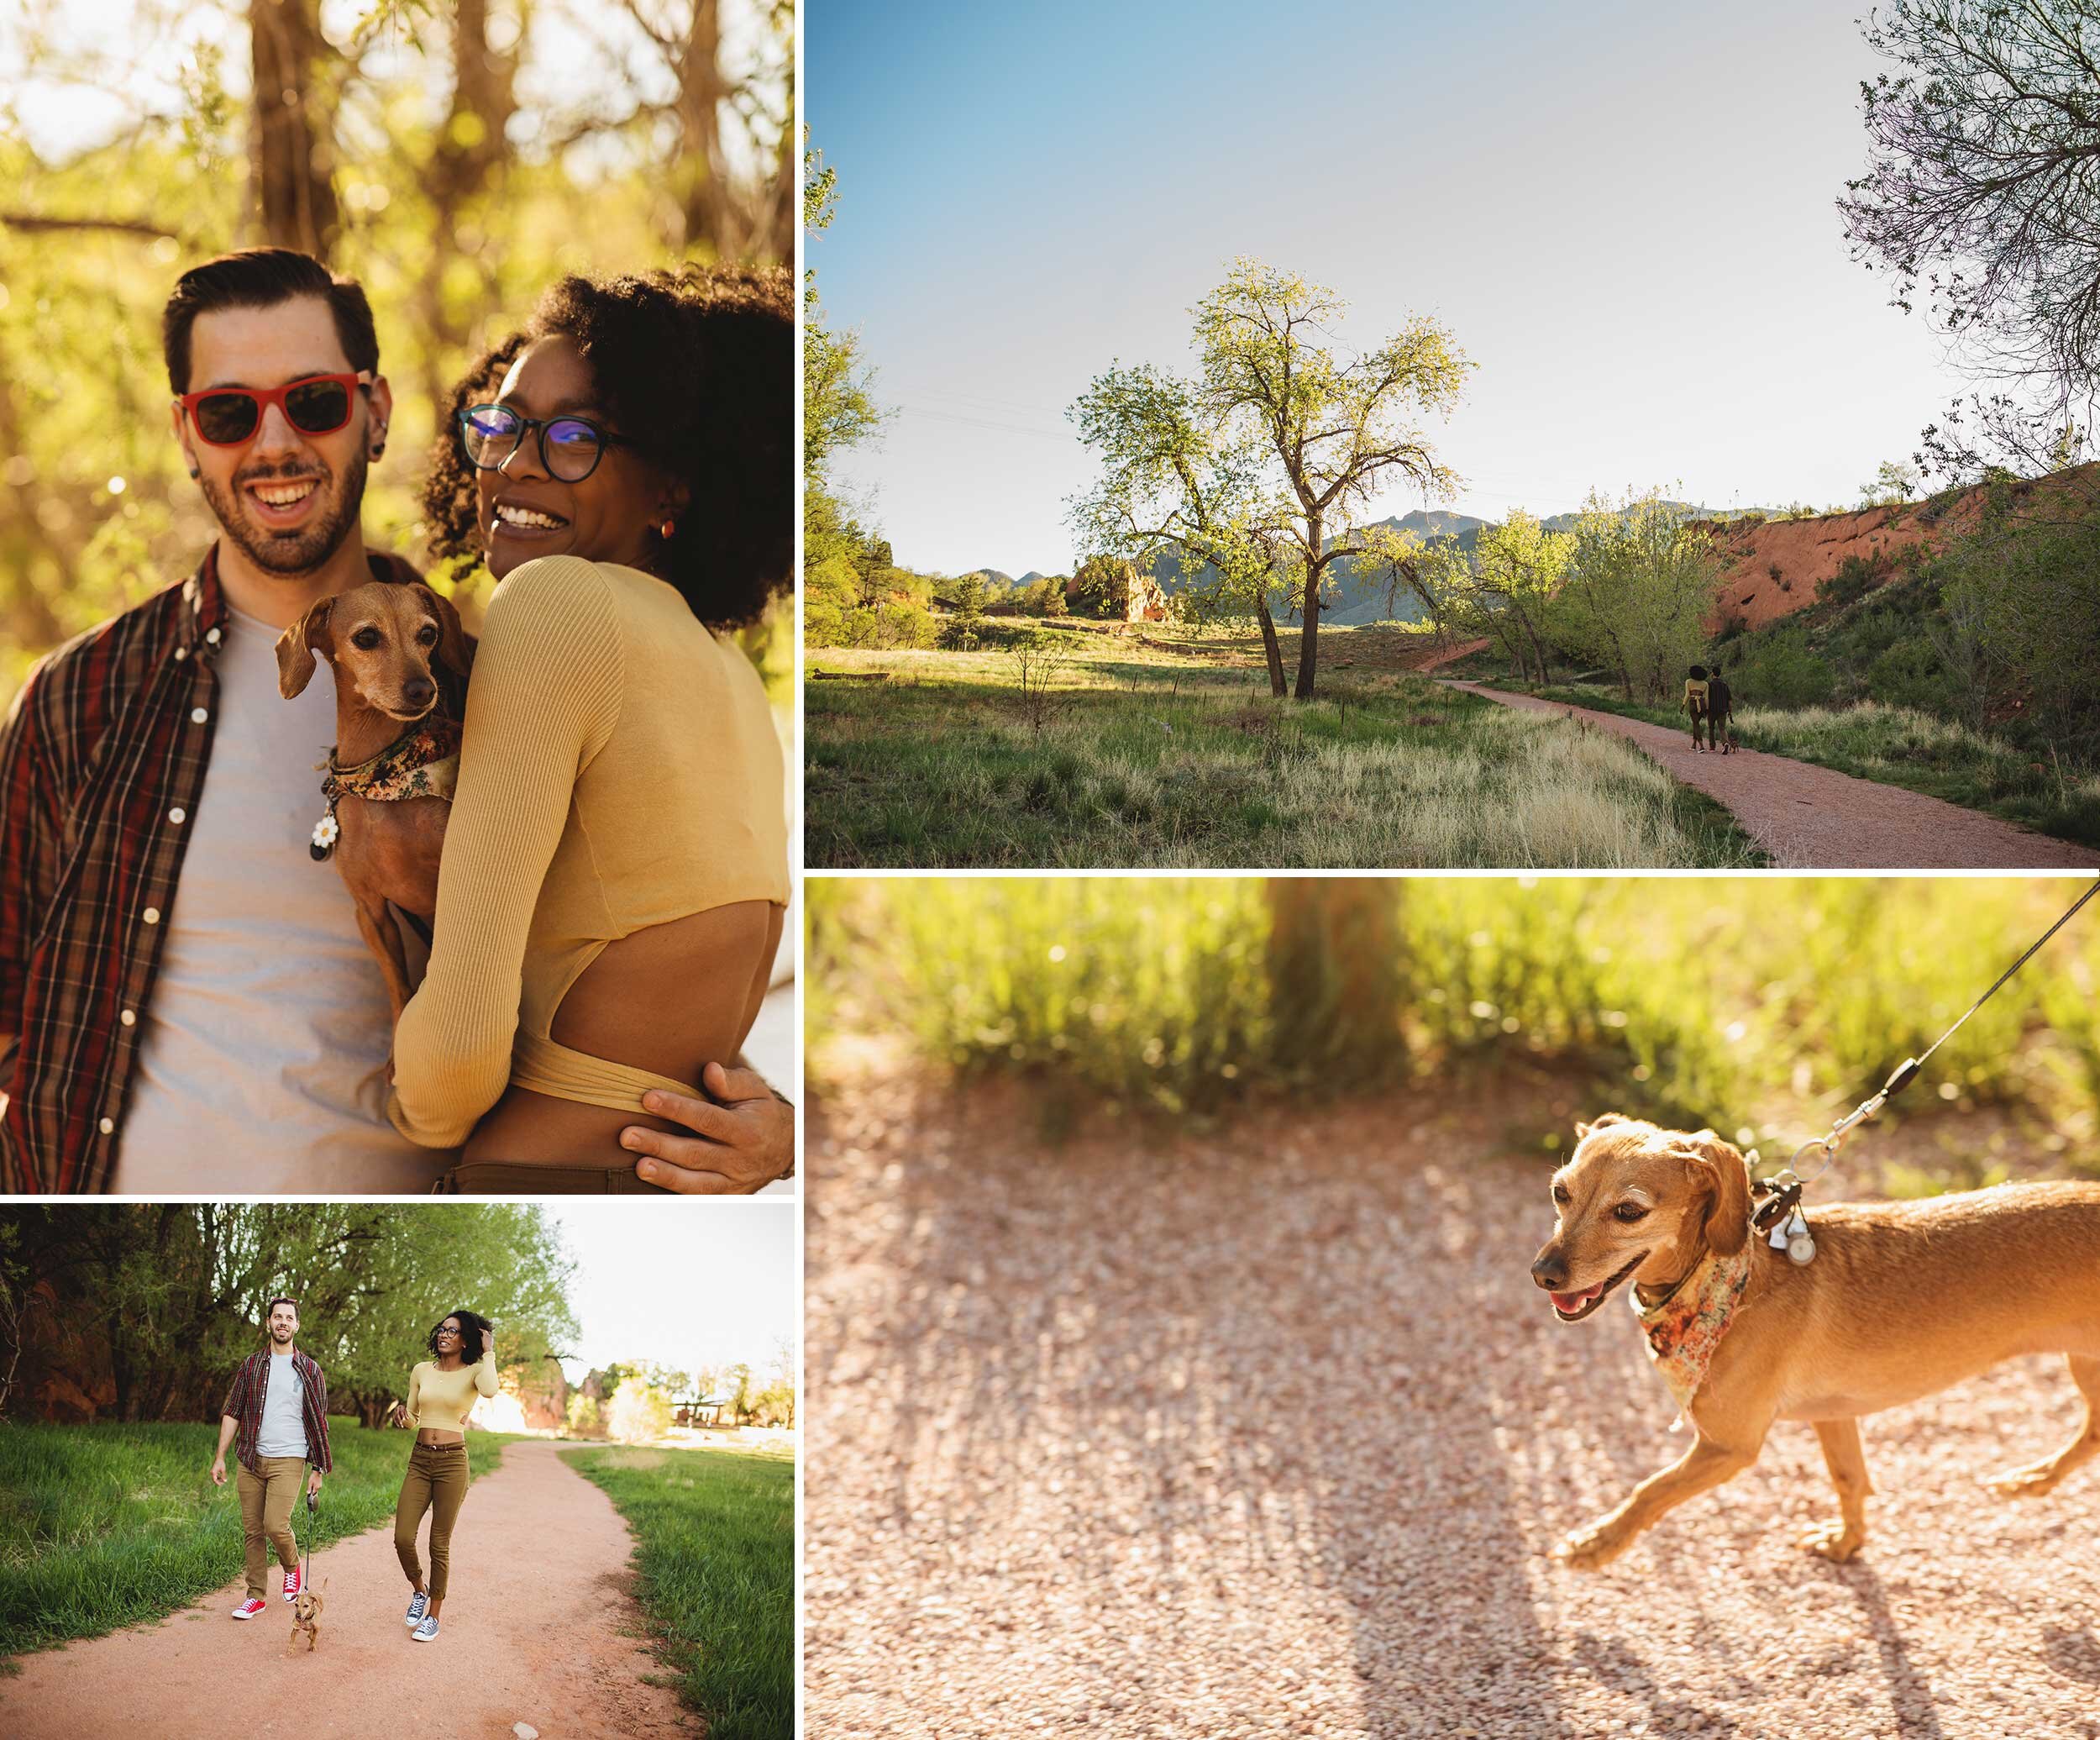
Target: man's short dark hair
x=275 y=1303
x=262 y=278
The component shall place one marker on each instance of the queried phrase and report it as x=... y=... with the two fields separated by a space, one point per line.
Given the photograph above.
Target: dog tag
x=321 y=842
x=1800 y=1242
x=1777 y=1238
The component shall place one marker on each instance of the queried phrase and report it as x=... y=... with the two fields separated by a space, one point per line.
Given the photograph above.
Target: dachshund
x=390 y=777
x=1895 y=1300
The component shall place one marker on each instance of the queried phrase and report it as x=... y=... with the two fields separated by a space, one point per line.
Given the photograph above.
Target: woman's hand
x=397 y=1415
x=745 y=1137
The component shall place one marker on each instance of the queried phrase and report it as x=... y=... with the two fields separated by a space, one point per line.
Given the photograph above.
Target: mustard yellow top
x=441 y=1400
x=620 y=769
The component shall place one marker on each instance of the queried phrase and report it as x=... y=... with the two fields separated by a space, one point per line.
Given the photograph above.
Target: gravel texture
x=1266 y=1431
x=1810 y=817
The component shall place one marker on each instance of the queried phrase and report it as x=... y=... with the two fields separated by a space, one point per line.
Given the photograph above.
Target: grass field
x=1898 y=746
x=1689 y=997
x=716 y=1559
x=106 y=1525
x=1170 y=754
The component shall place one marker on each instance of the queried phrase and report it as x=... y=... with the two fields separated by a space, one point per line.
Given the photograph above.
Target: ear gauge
x=194 y=474
x=665 y=530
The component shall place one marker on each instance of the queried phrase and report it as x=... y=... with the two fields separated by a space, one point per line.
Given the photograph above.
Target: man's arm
x=30 y=831
x=744 y=1137
x=327 y=1464
x=227 y=1426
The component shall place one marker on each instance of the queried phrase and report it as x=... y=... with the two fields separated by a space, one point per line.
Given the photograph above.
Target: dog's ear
x=1604 y=1121
x=297 y=644
x=1728 y=1216
x=452 y=638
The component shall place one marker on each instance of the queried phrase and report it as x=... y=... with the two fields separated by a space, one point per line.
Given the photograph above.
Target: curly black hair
x=696 y=365
x=474 y=1335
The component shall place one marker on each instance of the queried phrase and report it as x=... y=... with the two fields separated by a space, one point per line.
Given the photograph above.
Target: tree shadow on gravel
x=1908 y=1689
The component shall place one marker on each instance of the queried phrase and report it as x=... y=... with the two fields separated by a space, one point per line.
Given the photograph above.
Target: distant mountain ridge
x=1355 y=598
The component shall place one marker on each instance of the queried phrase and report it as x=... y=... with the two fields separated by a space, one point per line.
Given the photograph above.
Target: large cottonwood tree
x=1278 y=440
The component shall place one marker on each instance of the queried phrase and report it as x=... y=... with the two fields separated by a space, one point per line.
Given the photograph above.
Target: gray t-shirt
x=283 y=1432
x=261 y=1065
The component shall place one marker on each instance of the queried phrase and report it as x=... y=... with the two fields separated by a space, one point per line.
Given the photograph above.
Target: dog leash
x=1781 y=1217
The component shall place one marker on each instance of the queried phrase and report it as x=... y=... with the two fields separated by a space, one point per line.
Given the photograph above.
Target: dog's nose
x=1551 y=1271
x=417 y=690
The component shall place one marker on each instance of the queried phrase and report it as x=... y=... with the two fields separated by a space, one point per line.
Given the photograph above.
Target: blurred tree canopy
x=454 y=156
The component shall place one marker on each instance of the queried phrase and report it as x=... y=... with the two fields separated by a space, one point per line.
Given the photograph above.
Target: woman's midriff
x=434 y=1435
x=671 y=1000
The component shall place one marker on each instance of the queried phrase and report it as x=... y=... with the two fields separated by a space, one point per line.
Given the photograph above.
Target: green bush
x=1780 y=670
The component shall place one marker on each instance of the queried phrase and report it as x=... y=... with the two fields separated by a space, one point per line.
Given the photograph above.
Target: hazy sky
x=1625 y=212
x=686 y=1283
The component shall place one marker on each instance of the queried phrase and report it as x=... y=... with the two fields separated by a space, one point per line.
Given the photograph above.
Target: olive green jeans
x=266 y=1498
x=436 y=1482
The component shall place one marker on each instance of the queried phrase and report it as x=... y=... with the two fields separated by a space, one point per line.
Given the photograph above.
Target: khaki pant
x=436 y=1481
x=266 y=1498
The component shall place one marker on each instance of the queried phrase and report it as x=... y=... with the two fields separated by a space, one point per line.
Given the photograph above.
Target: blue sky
x=1625 y=212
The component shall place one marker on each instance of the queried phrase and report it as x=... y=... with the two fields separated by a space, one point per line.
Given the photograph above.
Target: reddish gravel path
x=1269 y=1433
x=1810 y=817
x=538 y=1628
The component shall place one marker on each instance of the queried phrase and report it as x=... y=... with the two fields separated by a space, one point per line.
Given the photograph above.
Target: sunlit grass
x=715 y=1555
x=1695 y=997
x=1144 y=758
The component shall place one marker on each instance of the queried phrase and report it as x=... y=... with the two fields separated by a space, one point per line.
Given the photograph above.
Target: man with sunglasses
x=232 y=1038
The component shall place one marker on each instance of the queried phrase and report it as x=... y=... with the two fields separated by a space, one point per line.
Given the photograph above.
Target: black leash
x=1906 y=1072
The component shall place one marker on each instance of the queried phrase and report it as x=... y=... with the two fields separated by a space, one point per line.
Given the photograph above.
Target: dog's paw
x=1835 y=1542
x=2030 y=1482
x=1590 y=1549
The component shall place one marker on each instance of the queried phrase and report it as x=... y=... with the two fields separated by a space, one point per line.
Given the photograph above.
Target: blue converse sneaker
x=418 y=1604
x=427 y=1630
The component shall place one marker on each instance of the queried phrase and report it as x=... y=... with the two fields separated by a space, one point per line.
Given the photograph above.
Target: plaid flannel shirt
x=244 y=1403
x=103 y=760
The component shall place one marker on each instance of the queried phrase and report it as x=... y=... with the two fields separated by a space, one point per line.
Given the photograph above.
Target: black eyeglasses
x=569 y=447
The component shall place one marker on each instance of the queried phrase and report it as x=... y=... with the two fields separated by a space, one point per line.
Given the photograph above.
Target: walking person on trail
x=1720 y=707
x=442 y=1391
x=275 y=1416
x=1695 y=704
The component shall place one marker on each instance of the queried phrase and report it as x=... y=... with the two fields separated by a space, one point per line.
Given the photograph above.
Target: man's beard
x=291 y=553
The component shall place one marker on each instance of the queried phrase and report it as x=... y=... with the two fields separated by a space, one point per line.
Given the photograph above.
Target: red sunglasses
x=227 y=416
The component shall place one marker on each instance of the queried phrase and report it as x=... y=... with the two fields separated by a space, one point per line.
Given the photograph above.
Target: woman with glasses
x=615 y=870
x=442 y=1391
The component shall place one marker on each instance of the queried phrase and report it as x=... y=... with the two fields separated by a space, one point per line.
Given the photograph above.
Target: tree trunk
x=1334 y=977
x=292 y=156
x=1308 y=648
x=469 y=152
x=706 y=208
x=1271 y=646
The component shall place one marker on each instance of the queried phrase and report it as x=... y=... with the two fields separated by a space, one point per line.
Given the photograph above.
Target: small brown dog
x=389 y=788
x=1900 y=1300
x=306 y=1618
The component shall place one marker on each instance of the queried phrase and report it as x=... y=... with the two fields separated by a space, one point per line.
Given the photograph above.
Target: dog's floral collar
x=1685 y=1329
x=421 y=763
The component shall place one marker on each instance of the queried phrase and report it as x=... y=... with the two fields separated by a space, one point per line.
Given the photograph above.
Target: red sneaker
x=292 y=1584
x=250 y=1608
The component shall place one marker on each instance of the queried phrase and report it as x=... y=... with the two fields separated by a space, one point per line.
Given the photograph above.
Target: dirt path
x=1810 y=817
x=534 y=1631
x=1268 y=1434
